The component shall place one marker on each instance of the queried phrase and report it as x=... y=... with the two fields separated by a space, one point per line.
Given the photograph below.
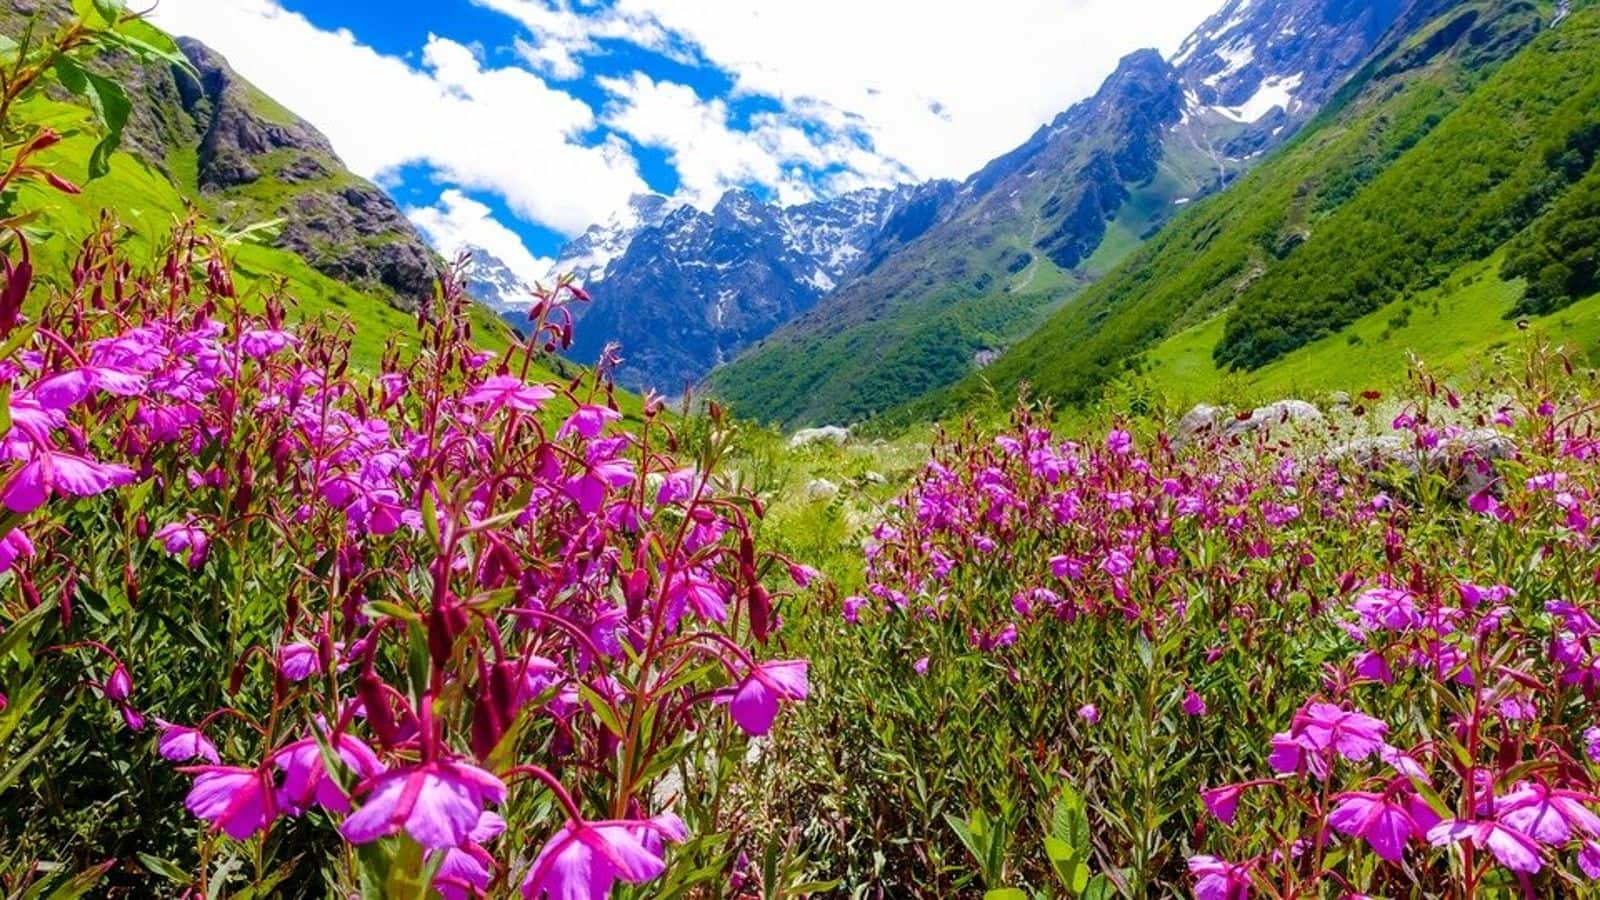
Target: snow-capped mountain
x=1040 y=222
x=587 y=256
x=491 y=282
x=683 y=289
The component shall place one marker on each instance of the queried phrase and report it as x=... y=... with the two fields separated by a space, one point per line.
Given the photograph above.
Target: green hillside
x=153 y=185
x=1409 y=217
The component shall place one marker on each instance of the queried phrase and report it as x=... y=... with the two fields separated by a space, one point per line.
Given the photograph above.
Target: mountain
x=683 y=289
x=1446 y=199
x=1036 y=226
x=492 y=283
x=587 y=256
x=210 y=138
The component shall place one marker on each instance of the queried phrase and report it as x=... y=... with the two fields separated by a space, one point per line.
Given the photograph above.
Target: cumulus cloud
x=941 y=86
x=773 y=150
x=458 y=222
x=479 y=127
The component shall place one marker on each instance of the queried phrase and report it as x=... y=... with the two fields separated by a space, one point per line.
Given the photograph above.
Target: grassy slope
x=1202 y=261
x=1454 y=329
x=150 y=205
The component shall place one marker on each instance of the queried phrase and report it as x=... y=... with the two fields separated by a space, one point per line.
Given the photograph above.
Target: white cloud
x=710 y=155
x=458 y=221
x=942 y=86
x=502 y=129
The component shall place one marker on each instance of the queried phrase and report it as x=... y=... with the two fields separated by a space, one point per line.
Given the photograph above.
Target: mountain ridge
x=1036 y=225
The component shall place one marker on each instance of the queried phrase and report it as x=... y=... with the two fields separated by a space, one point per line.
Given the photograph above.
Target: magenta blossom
x=1223 y=802
x=466 y=871
x=1384 y=822
x=588 y=421
x=180 y=742
x=178 y=537
x=299 y=661
x=48 y=472
x=14 y=546
x=585 y=859
x=1323 y=726
x=1548 y=815
x=438 y=803
x=754 y=704
x=1193 y=703
x=237 y=801
x=1217 y=879
x=1089 y=713
x=503 y=391
x=1515 y=850
x=305 y=775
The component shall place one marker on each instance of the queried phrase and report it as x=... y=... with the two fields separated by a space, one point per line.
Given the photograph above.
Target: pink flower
x=14 y=546
x=920 y=666
x=1217 y=879
x=1089 y=713
x=1548 y=815
x=1515 y=850
x=1387 y=609
x=1589 y=859
x=1223 y=802
x=500 y=391
x=180 y=742
x=178 y=537
x=465 y=871
x=49 y=472
x=694 y=590
x=305 y=775
x=1119 y=442
x=754 y=704
x=1193 y=703
x=1382 y=822
x=438 y=803
x=238 y=801
x=585 y=859
x=588 y=421
x=1354 y=735
x=298 y=661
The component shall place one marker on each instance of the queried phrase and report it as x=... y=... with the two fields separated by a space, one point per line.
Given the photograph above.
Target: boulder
x=1468 y=458
x=1283 y=412
x=1203 y=419
x=821 y=489
x=831 y=434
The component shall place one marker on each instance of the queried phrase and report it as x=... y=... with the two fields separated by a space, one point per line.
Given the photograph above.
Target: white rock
x=832 y=434
x=1281 y=413
x=821 y=489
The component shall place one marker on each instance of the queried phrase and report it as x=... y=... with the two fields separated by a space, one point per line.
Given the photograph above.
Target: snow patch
x=1274 y=93
x=1235 y=57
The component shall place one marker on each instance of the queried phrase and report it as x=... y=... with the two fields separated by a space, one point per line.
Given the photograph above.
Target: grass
x=1456 y=329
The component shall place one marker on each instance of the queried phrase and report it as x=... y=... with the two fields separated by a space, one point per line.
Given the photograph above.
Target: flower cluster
x=459 y=604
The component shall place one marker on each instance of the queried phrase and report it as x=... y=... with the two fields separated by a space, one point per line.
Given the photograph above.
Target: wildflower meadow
x=475 y=623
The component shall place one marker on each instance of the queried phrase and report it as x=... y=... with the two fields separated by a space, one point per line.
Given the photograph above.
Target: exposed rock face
x=259 y=161
x=1283 y=412
x=1206 y=420
x=683 y=289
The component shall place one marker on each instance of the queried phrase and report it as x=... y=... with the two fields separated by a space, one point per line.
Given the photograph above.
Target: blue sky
x=514 y=124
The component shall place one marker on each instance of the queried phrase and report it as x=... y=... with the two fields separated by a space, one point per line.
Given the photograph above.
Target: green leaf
x=23 y=761
x=1006 y=894
x=110 y=10
x=82 y=883
x=166 y=868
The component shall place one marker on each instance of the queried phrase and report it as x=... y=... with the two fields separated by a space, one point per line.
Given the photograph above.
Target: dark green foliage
x=1481 y=177
x=1560 y=255
x=1425 y=162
